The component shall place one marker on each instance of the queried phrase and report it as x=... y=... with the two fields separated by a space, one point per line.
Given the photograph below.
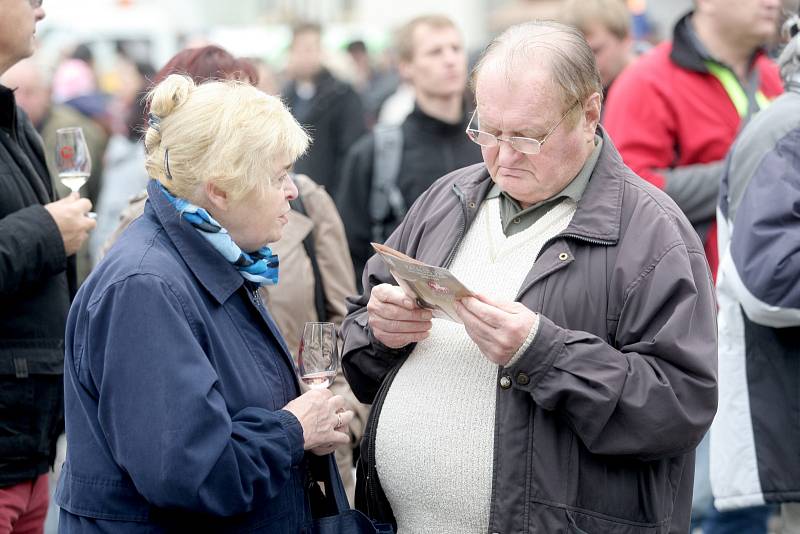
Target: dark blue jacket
x=175 y=376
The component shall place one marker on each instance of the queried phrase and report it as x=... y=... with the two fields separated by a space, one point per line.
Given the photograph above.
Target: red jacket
x=668 y=112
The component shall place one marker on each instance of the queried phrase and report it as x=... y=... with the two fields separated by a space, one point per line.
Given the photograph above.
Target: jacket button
x=523 y=379
x=563 y=256
x=472 y=205
x=505 y=382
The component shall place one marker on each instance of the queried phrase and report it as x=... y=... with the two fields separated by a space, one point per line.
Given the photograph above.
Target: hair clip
x=166 y=164
x=154 y=122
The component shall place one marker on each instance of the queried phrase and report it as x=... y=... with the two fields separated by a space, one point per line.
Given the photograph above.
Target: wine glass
x=73 y=160
x=318 y=357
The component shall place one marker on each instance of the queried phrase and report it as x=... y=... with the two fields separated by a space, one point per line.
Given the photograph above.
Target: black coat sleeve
x=31 y=248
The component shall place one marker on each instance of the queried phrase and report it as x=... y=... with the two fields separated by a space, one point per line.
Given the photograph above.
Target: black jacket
x=36 y=282
x=431 y=148
x=334 y=117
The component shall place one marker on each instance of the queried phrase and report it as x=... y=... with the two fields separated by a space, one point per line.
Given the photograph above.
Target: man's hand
x=70 y=214
x=498 y=328
x=395 y=319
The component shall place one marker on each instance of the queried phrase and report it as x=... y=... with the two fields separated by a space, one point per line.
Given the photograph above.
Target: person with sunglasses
x=582 y=375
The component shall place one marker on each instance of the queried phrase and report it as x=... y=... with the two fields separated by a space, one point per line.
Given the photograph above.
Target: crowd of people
x=624 y=215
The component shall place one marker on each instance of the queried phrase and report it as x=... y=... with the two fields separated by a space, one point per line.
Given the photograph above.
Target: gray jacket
x=596 y=424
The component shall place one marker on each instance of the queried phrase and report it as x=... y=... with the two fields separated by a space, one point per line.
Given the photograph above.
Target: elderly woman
x=183 y=410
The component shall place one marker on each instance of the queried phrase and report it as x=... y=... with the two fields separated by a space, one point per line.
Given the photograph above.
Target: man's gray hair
x=571 y=59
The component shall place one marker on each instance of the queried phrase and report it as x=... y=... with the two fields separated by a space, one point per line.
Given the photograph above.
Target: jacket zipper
x=377 y=406
x=463 y=230
x=577 y=237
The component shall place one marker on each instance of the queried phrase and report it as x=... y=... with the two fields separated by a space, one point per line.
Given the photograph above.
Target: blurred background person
x=674 y=114
x=373 y=83
x=314 y=249
x=34 y=95
x=387 y=170
x=38 y=237
x=123 y=172
x=182 y=405
x=329 y=109
x=606 y=25
x=268 y=80
x=756 y=434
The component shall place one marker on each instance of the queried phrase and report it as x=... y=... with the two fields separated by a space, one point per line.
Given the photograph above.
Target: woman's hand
x=323 y=418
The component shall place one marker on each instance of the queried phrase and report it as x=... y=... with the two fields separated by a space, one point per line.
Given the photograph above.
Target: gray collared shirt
x=515 y=219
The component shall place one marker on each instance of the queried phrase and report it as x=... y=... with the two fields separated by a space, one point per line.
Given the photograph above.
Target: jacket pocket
x=31 y=397
x=586 y=523
x=633 y=491
x=17 y=416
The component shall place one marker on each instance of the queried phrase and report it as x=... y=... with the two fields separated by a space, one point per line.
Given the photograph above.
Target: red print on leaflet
x=438 y=288
x=67 y=152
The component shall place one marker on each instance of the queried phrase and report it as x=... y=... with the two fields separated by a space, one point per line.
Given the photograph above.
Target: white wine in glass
x=73 y=160
x=318 y=357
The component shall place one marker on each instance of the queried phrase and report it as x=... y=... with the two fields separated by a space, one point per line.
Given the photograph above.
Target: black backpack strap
x=386 y=202
x=308 y=244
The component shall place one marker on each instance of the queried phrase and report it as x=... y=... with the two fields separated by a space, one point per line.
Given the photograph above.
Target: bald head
x=533 y=45
x=32 y=90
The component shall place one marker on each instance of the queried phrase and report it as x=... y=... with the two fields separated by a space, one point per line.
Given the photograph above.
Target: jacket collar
x=689 y=52
x=8 y=111
x=599 y=211
x=213 y=271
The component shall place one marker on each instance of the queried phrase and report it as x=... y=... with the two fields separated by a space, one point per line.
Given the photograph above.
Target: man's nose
x=506 y=153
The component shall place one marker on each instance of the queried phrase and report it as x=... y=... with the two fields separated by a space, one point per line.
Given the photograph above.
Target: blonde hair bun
x=170 y=95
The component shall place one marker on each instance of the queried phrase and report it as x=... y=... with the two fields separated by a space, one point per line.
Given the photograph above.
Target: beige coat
x=291 y=302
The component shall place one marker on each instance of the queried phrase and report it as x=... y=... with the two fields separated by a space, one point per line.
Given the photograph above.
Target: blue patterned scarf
x=260 y=266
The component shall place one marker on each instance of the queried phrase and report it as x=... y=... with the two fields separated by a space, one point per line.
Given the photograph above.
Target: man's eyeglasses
x=526 y=145
x=35 y=4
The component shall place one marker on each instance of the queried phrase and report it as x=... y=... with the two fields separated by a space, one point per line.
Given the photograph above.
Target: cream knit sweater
x=435 y=438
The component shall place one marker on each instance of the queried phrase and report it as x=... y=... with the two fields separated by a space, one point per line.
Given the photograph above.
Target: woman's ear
x=217 y=198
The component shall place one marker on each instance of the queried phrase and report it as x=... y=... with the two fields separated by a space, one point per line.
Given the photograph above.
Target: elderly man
x=38 y=235
x=584 y=374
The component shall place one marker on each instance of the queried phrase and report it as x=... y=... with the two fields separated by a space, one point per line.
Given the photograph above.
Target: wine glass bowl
x=318 y=357
x=73 y=160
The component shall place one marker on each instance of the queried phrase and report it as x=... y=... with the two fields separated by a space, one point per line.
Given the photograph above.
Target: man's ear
x=217 y=197
x=591 y=112
x=404 y=70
